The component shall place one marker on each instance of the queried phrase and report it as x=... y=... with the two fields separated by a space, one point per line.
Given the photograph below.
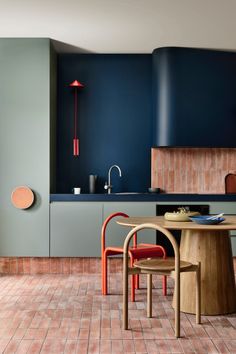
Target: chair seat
x=159 y=264
x=141 y=251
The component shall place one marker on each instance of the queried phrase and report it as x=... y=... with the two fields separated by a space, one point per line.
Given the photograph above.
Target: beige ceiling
x=123 y=26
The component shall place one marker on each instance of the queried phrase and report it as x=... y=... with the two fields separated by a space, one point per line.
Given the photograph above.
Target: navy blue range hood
x=194 y=95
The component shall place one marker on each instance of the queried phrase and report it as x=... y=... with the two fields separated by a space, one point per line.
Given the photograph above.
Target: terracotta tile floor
x=67 y=314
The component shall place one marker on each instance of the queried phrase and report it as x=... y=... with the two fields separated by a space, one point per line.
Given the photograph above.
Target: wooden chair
x=230 y=183
x=170 y=266
x=138 y=251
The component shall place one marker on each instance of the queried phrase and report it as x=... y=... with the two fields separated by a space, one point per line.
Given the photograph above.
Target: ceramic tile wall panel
x=56 y=265
x=59 y=265
x=192 y=170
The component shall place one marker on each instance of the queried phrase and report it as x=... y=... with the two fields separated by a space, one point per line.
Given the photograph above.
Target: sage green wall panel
x=117 y=233
x=75 y=229
x=24 y=144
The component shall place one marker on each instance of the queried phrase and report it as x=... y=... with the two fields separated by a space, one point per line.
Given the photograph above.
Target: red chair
x=138 y=251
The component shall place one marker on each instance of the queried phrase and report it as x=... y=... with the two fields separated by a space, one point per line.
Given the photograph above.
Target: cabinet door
x=24 y=137
x=227 y=208
x=116 y=233
x=75 y=229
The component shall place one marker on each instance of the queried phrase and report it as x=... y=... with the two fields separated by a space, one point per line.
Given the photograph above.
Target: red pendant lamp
x=76 y=85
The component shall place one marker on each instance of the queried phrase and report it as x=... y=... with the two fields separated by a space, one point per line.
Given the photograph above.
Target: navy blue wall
x=115 y=120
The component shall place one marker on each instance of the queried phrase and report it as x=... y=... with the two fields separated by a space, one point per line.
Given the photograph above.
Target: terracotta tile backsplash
x=192 y=170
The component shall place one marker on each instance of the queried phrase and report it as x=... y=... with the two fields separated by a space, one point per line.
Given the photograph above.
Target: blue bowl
x=204 y=220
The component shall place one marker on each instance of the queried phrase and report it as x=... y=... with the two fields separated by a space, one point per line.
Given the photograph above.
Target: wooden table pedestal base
x=213 y=250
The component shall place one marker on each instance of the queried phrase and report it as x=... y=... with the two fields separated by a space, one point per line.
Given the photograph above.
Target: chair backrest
x=104 y=227
x=164 y=232
x=230 y=183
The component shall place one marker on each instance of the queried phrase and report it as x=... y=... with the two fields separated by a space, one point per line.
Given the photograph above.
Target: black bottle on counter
x=92 y=183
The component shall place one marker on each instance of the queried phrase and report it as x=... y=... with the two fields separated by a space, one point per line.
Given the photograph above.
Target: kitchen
x=115 y=126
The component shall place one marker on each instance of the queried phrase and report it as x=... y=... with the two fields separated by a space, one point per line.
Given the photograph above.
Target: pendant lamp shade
x=76 y=85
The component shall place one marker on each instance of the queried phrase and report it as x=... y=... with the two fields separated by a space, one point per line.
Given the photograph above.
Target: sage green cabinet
x=227 y=208
x=75 y=229
x=25 y=113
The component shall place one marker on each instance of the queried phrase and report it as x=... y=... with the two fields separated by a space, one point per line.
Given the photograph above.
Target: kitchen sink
x=120 y=193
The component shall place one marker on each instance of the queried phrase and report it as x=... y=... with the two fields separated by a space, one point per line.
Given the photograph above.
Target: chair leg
x=104 y=274
x=198 y=294
x=133 y=280
x=177 y=305
x=125 y=294
x=149 y=295
x=164 y=285
x=137 y=281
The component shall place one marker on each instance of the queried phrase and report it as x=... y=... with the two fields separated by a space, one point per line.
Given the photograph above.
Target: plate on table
x=205 y=220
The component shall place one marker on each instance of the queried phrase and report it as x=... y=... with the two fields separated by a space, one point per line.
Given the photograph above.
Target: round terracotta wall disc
x=22 y=197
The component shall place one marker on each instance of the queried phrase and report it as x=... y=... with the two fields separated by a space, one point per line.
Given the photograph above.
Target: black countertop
x=142 y=197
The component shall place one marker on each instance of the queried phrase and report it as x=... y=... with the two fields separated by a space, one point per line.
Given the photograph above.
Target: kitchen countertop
x=142 y=197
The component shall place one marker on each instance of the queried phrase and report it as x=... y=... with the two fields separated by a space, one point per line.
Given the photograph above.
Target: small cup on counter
x=76 y=190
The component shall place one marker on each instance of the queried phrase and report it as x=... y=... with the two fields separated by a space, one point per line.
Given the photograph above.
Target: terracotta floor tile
x=116 y=333
x=175 y=346
x=7 y=333
x=23 y=346
x=70 y=346
x=47 y=346
x=105 y=346
x=19 y=333
x=84 y=333
x=105 y=333
x=152 y=346
x=140 y=346
x=231 y=345
x=186 y=345
x=128 y=346
x=117 y=346
x=35 y=333
x=93 y=346
x=12 y=346
x=73 y=333
x=35 y=347
x=3 y=344
x=66 y=314
x=82 y=347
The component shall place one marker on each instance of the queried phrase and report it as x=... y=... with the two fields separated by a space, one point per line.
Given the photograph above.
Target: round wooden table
x=210 y=245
